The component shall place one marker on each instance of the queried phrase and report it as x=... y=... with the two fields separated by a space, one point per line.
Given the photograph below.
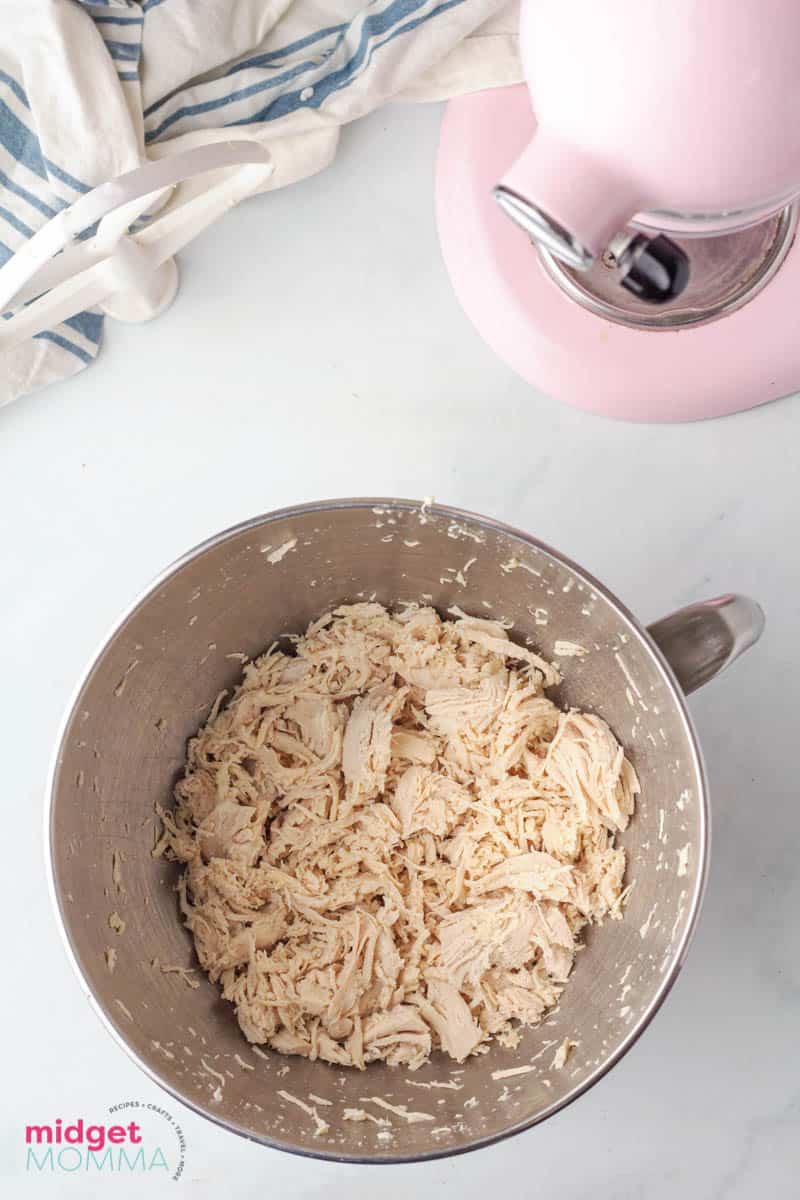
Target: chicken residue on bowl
x=392 y=838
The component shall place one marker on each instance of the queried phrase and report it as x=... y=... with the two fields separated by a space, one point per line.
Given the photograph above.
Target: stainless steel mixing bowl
x=152 y=684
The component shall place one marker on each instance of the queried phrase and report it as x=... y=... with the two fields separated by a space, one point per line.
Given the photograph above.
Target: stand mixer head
x=655 y=188
x=685 y=128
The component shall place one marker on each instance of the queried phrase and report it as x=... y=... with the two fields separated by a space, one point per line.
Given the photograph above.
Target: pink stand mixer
x=630 y=248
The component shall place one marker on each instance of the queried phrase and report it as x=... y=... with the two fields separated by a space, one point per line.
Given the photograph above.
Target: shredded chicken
x=392 y=838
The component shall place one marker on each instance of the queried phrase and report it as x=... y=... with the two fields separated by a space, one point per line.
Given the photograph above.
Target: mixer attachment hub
x=645 y=279
x=655 y=269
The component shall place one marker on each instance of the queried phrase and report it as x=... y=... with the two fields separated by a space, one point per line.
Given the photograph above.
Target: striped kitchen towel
x=87 y=85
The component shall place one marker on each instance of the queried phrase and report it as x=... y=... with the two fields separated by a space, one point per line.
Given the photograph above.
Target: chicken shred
x=392 y=838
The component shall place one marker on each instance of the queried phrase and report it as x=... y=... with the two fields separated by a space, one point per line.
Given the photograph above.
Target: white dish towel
x=86 y=86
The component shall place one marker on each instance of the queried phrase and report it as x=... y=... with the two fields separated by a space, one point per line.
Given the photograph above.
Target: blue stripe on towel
x=15 y=87
x=266 y=59
x=122 y=51
x=271 y=56
x=220 y=101
x=15 y=223
x=406 y=28
x=20 y=142
x=12 y=186
x=118 y=20
x=337 y=80
x=373 y=26
x=48 y=335
x=90 y=324
x=64 y=176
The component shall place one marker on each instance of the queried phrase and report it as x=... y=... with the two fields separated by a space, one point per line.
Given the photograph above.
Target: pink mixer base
x=740 y=361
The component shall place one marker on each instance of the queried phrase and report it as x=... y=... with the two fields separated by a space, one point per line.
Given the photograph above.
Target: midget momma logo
x=133 y=1138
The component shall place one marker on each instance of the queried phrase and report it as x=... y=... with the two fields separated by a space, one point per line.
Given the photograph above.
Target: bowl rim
x=678 y=953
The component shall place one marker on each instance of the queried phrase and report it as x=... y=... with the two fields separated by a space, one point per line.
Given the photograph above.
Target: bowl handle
x=703 y=639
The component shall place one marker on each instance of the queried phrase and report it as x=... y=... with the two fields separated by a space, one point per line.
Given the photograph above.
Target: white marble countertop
x=316 y=350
